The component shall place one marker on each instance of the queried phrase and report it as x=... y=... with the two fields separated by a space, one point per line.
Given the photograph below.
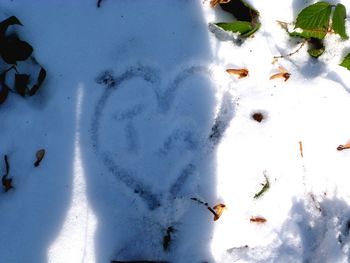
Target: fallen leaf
x=21 y=83
x=7 y=183
x=282 y=74
x=258 y=219
x=301 y=149
x=242 y=73
x=13 y=49
x=4 y=88
x=39 y=156
x=265 y=187
x=343 y=147
x=8 y=22
x=219 y=209
x=258 y=116
x=214 y=3
x=41 y=78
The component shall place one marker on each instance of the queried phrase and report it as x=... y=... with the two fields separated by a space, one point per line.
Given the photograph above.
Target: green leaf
x=346 y=62
x=266 y=186
x=315 y=52
x=251 y=32
x=315 y=16
x=316 y=47
x=338 y=21
x=241 y=27
x=319 y=33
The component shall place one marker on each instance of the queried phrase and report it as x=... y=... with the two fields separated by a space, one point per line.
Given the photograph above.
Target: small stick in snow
x=275 y=58
x=301 y=149
x=242 y=73
x=343 y=147
x=282 y=74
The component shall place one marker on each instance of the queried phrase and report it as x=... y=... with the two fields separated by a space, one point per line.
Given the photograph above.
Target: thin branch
x=292 y=53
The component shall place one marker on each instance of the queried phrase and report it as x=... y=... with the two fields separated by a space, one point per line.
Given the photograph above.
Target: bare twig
x=292 y=53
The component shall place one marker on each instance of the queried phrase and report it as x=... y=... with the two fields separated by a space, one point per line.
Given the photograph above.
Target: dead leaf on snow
x=258 y=219
x=214 y=3
x=39 y=156
x=219 y=209
x=343 y=147
x=242 y=73
x=283 y=73
x=301 y=149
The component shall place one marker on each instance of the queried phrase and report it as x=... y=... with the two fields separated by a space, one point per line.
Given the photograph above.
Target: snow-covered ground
x=138 y=115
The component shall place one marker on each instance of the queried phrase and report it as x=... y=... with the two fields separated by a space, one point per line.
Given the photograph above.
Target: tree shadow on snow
x=151 y=137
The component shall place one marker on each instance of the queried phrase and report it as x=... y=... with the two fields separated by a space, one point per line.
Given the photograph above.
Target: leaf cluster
x=12 y=51
x=315 y=21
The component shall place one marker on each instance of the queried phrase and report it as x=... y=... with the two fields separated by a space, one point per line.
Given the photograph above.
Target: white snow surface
x=126 y=115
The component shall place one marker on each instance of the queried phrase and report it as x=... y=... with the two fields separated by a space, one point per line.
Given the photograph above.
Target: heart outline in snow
x=164 y=101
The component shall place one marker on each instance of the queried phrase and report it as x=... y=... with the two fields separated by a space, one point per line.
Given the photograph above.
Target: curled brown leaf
x=242 y=73
x=283 y=73
x=343 y=147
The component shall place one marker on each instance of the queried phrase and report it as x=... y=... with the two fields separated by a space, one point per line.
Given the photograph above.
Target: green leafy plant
x=12 y=51
x=314 y=22
x=247 y=22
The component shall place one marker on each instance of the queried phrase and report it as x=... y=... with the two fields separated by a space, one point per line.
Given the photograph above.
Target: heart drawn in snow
x=143 y=134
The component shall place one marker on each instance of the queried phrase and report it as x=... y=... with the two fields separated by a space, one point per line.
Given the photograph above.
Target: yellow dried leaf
x=219 y=209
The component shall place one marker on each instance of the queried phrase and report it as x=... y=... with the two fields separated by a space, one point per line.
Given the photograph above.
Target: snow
x=138 y=115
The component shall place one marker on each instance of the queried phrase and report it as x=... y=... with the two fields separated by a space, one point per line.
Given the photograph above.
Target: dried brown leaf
x=214 y=3
x=242 y=73
x=39 y=156
x=6 y=183
x=301 y=149
x=343 y=147
x=283 y=73
x=286 y=76
x=258 y=219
